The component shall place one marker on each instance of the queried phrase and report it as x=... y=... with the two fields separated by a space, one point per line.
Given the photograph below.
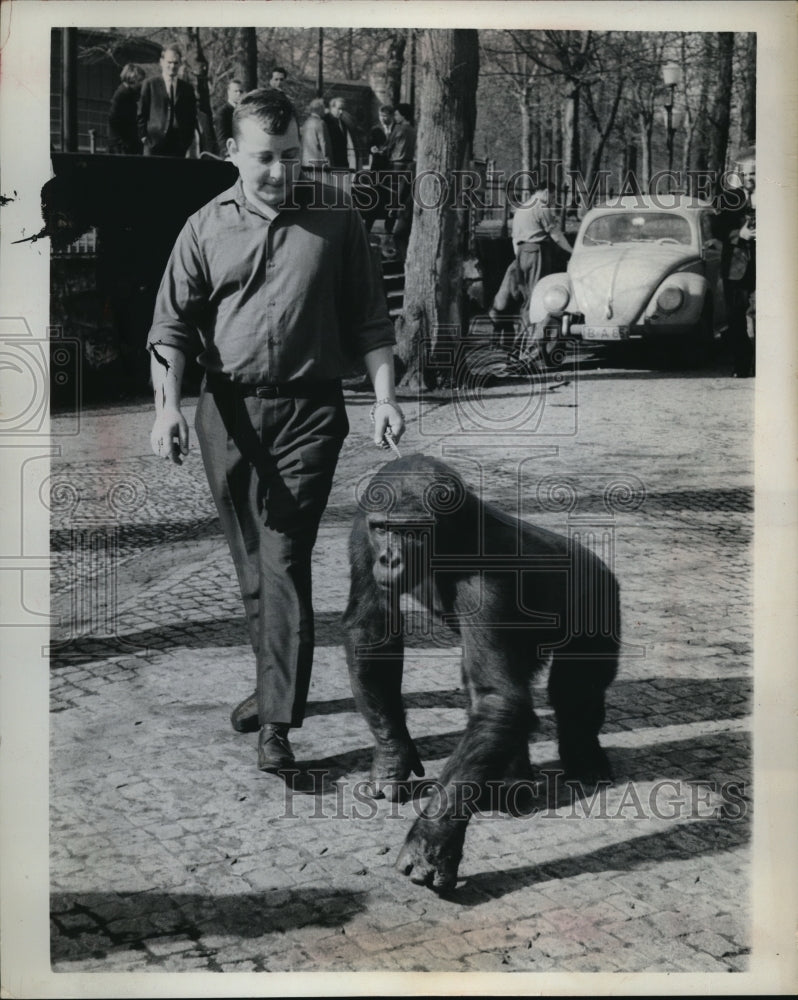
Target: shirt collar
x=302 y=196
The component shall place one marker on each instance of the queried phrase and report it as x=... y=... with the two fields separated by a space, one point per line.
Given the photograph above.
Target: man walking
x=278 y=293
x=167 y=109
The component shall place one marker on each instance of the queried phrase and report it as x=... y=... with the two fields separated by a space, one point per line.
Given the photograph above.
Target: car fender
x=537 y=310
x=695 y=289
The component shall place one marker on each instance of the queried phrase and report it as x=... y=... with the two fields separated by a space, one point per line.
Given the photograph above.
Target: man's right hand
x=169 y=437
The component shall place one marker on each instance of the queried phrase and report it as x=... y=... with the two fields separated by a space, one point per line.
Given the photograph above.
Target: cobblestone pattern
x=171 y=852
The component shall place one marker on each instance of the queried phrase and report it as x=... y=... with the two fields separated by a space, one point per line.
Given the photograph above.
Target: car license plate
x=605 y=332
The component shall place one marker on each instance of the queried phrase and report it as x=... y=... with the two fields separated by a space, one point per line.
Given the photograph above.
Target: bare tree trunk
x=748 y=109
x=246 y=57
x=526 y=130
x=646 y=123
x=721 y=106
x=537 y=137
x=201 y=71
x=700 y=153
x=433 y=309
x=320 y=65
x=393 y=68
x=571 y=139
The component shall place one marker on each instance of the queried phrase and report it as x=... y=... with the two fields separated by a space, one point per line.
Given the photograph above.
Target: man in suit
x=223 y=120
x=342 y=144
x=167 y=111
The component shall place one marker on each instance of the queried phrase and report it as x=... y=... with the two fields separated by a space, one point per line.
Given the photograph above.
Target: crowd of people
x=160 y=116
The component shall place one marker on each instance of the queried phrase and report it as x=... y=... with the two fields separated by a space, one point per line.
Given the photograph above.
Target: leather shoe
x=274 y=750
x=244 y=717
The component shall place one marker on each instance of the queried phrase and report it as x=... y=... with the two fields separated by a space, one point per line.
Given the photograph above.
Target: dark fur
x=506 y=617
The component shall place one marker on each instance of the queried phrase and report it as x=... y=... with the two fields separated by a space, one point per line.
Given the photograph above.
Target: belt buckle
x=267 y=391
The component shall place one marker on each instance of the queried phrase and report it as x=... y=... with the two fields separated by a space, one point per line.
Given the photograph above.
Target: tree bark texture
x=433 y=306
x=246 y=58
x=721 y=106
x=393 y=68
x=748 y=108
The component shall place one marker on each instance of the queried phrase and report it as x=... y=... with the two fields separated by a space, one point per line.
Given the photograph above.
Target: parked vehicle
x=643 y=268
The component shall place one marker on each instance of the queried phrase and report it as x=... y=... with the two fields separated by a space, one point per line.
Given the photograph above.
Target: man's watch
x=386 y=402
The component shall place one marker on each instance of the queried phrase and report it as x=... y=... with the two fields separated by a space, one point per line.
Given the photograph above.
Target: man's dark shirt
x=401 y=148
x=298 y=296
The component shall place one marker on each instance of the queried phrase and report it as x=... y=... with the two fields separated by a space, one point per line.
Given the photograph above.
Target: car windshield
x=637 y=227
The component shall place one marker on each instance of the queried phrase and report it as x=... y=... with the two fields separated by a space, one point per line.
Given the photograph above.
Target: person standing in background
x=315 y=138
x=278 y=78
x=167 y=109
x=380 y=137
x=223 y=119
x=123 y=135
x=401 y=154
x=342 y=144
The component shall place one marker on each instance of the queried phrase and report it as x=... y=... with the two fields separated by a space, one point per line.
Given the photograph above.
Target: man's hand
x=388 y=416
x=169 y=437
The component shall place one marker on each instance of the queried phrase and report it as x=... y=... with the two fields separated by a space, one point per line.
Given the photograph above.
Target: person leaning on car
x=536 y=234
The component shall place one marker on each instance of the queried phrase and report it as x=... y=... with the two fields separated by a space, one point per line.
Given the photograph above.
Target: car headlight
x=555 y=299
x=670 y=299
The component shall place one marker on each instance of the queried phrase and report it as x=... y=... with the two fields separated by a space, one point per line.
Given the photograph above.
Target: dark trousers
x=738 y=298
x=270 y=464
x=170 y=144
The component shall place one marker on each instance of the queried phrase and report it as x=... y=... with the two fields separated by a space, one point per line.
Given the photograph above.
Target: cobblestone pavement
x=171 y=852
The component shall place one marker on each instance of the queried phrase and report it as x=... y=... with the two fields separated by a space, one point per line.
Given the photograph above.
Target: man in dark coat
x=342 y=144
x=123 y=134
x=223 y=119
x=167 y=112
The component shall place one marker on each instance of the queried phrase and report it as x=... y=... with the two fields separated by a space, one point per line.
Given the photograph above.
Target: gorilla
x=519 y=597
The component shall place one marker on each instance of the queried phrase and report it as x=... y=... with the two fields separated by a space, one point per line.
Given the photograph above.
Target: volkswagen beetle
x=643 y=268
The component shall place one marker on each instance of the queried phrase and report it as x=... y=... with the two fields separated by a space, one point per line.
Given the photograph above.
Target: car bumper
x=588 y=333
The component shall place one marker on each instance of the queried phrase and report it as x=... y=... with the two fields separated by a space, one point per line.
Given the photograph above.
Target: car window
x=637 y=227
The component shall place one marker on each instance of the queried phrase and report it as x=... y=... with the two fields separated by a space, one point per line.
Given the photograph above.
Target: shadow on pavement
x=680 y=843
x=129 y=919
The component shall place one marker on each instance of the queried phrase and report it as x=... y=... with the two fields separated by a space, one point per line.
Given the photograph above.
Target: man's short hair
x=279 y=69
x=406 y=111
x=316 y=106
x=235 y=83
x=132 y=74
x=338 y=101
x=387 y=109
x=172 y=48
x=271 y=109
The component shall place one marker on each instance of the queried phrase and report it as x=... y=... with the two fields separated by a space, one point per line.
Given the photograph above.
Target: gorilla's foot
x=432 y=853
x=393 y=763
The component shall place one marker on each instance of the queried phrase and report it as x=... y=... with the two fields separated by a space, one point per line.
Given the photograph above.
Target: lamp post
x=672 y=75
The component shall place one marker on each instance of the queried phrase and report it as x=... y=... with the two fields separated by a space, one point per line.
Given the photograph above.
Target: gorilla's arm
x=375 y=656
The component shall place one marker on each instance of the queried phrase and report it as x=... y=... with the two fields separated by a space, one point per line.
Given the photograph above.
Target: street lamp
x=672 y=75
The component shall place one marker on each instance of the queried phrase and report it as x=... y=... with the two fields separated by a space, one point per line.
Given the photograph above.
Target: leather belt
x=299 y=388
